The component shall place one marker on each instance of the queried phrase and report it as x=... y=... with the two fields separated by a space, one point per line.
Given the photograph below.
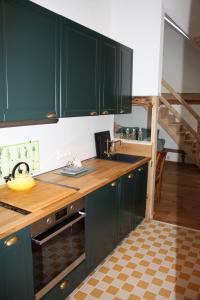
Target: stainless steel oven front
x=58 y=246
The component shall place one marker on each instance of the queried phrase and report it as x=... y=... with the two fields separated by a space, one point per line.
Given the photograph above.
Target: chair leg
x=159 y=191
x=156 y=191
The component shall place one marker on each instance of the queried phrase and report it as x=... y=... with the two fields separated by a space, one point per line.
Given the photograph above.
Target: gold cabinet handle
x=105 y=112
x=121 y=111
x=11 y=241
x=93 y=113
x=64 y=284
x=51 y=115
x=114 y=183
x=130 y=176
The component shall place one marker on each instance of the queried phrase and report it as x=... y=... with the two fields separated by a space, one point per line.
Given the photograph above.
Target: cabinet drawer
x=67 y=285
x=14 y=240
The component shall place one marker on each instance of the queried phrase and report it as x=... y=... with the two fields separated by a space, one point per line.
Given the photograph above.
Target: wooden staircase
x=185 y=136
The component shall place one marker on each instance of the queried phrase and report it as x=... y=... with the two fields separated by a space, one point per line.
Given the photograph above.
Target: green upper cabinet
x=79 y=69
x=109 y=76
x=125 y=80
x=52 y=67
x=16 y=267
x=30 y=61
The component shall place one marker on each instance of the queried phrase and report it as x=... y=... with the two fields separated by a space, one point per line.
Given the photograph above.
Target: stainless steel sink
x=125 y=158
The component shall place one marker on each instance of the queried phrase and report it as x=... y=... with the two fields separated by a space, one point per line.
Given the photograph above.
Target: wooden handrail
x=181 y=100
x=180 y=118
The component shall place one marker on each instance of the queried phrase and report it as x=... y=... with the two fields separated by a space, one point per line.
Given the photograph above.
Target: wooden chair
x=161 y=155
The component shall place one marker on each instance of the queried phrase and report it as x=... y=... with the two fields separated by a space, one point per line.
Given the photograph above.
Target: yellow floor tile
x=156 y=261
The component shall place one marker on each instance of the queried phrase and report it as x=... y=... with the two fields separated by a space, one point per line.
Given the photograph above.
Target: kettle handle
x=17 y=165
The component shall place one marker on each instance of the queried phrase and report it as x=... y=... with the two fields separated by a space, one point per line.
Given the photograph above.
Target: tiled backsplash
x=10 y=155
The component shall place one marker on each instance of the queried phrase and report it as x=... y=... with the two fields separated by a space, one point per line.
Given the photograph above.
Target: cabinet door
x=140 y=195
x=2 y=99
x=101 y=223
x=31 y=61
x=126 y=66
x=109 y=76
x=126 y=206
x=16 y=267
x=80 y=70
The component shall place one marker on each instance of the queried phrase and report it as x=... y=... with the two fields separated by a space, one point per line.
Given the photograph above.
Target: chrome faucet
x=111 y=147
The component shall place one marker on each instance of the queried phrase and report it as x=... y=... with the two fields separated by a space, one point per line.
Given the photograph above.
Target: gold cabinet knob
x=130 y=176
x=51 y=115
x=105 y=112
x=121 y=111
x=114 y=183
x=93 y=113
x=64 y=284
x=11 y=241
x=140 y=169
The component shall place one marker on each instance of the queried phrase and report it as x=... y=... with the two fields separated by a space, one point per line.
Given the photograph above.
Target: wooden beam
x=142 y=101
x=152 y=163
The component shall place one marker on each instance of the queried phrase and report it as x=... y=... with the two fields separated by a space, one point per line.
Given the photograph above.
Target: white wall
x=75 y=135
x=94 y=14
x=181 y=62
x=138 y=118
x=138 y=24
x=185 y=13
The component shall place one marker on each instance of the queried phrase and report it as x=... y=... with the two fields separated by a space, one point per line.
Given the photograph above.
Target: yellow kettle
x=20 y=181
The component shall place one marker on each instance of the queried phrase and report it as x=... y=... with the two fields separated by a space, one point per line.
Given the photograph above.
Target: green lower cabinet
x=126 y=204
x=101 y=223
x=67 y=284
x=16 y=281
x=140 y=194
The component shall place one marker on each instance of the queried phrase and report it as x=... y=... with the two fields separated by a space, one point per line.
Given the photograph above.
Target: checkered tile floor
x=156 y=261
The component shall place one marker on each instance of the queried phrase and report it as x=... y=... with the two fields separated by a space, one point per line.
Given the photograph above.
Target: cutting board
x=39 y=197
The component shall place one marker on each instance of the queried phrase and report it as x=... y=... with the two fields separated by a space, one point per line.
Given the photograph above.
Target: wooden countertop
x=46 y=198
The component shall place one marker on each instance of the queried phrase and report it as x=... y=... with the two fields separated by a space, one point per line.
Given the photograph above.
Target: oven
x=58 y=246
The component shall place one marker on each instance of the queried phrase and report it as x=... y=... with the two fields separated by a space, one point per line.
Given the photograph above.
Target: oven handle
x=46 y=239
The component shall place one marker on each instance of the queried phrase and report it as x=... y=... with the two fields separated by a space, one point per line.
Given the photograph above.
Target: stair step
x=180 y=132
x=163 y=111
x=175 y=124
x=171 y=118
x=188 y=141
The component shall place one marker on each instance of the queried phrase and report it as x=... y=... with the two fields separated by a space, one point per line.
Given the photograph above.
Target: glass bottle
x=140 y=134
x=133 y=134
x=127 y=133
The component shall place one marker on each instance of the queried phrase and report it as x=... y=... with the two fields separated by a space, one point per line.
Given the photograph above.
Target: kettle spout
x=7 y=178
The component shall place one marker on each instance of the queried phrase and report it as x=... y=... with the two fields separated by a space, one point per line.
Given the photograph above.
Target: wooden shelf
x=145 y=101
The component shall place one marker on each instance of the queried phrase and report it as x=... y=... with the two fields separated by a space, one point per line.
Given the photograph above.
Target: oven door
x=57 y=252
